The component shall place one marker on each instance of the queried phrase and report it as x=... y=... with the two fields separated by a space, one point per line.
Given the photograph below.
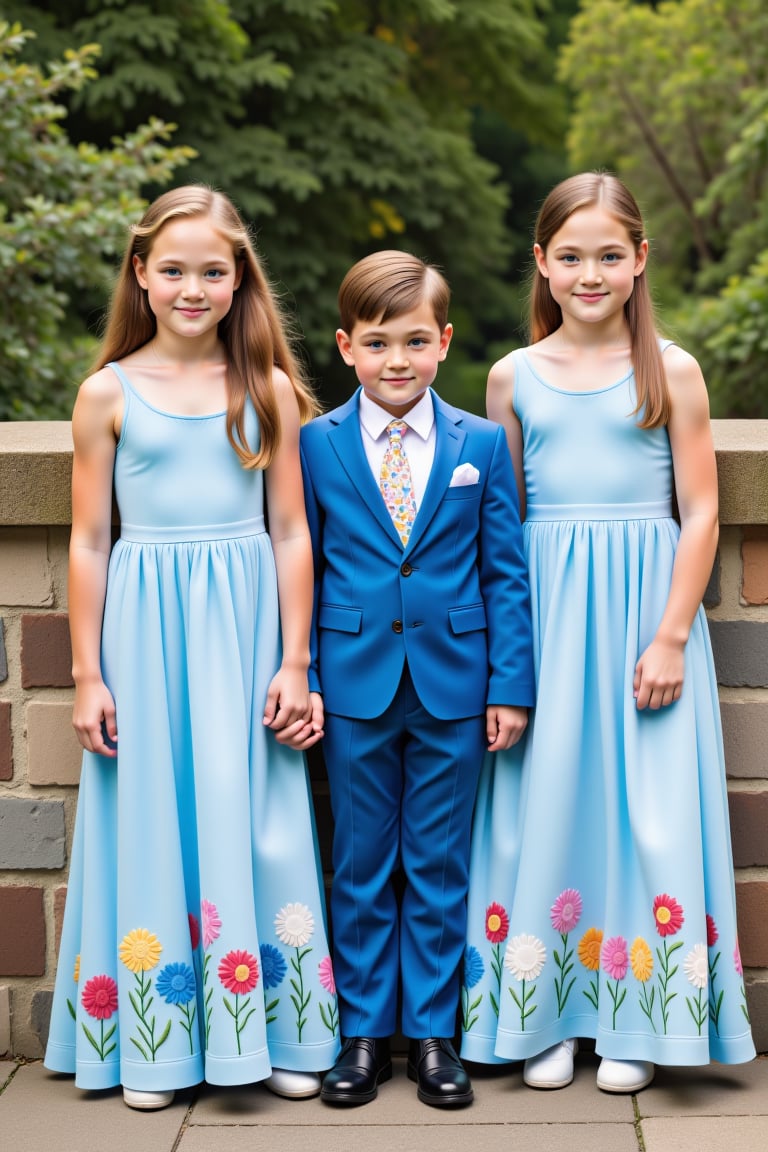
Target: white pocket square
x=464 y=474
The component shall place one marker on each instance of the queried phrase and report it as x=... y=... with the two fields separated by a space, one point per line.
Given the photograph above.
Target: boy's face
x=396 y=361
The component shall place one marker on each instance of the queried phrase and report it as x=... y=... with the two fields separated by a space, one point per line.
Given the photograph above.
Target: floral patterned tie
x=395 y=482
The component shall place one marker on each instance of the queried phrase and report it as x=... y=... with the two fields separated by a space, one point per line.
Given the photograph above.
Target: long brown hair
x=587 y=190
x=253 y=332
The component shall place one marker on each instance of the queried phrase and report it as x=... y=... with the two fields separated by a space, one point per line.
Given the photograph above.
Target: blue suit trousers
x=402 y=790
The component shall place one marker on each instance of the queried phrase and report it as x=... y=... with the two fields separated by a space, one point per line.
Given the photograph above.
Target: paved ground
x=715 y=1109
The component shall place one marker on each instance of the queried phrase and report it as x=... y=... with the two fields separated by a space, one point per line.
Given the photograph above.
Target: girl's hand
x=304 y=733
x=94 y=718
x=287 y=699
x=659 y=674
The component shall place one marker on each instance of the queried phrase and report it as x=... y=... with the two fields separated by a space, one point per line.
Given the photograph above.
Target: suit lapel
x=347 y=442
x=449 y=441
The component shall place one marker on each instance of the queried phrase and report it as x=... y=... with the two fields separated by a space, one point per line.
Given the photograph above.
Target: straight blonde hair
x=588 y=190
x=254 y=331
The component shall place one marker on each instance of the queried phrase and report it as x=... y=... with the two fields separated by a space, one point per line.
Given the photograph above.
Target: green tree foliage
x=672 y=96
x=64 y=213
x=338 y=126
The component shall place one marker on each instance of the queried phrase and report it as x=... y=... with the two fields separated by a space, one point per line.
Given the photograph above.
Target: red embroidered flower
x=239 y=972
x=712 y=932
x=194 y=931
x=100 y=997
x=668 y=915
x=496 y=923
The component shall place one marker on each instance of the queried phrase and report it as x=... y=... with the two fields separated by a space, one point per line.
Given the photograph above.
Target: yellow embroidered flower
x=641 y=959
x=140 y=950
x=76 y=973
x=589 y=948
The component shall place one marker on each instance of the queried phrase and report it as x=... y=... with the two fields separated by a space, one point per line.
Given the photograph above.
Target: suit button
x=397 y=625
x=405 y=569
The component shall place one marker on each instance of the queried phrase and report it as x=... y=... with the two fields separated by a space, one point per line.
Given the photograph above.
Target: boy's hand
x=504 y=725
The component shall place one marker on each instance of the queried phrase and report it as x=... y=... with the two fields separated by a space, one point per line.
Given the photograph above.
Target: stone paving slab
x=434 y=1138
x=499 y=1099
x=686 y=1110
x=704 y=1134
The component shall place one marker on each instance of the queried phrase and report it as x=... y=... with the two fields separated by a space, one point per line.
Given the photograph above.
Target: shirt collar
x=375 y=419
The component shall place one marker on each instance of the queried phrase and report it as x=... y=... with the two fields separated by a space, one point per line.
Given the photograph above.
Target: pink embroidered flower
x=325 y=974
x=565 y=913
x=496 y=923
x=737 y=960
x=211 y=922
x=100 y=997
x=668 y=915
x=194 y=931
x=712 y=932
x=615 y=957
x=239 y=972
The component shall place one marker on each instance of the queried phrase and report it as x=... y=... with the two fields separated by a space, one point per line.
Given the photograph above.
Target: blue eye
x=418 y=342
x=375 y=345
x=611 y=257
x=214 y=273
x=569 y=258
x=173 y=272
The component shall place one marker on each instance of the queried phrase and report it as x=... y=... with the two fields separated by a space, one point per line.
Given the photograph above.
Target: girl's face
x=190 y=276
x=591 y=264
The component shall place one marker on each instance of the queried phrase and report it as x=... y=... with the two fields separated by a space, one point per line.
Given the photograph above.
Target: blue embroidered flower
x=474 y=969
x=273 y=966
x=176 y=983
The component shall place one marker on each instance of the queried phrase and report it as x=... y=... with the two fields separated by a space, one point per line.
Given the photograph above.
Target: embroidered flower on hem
x=140 y=950
x=496 y=923
x=294 y=925
x=525 y=957
x=737 y=960
x=176 y=983
x=474 y=969
x=712 y=932
x=589 y=948
x=100 y=997
x=668 y=915
x=565 y=913
x=614 y=957
x=696 y=966
x=239 y=972
x=325 y=975
x=641 y=959
x=76 y=973
x=273 y=966
x=211 y=922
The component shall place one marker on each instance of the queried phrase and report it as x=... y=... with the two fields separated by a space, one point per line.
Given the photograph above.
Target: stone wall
x=40 y=757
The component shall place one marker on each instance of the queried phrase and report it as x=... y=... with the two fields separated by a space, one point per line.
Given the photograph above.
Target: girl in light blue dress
x=194 y=943
x=602 y=892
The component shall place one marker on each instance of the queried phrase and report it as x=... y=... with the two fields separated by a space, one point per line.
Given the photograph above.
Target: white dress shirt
x=418 y=439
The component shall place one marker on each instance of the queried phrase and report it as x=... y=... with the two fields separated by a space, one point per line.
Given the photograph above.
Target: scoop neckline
x=570 y=391
x=123 y=376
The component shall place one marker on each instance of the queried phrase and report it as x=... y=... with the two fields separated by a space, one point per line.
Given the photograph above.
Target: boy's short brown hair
x=387 y=284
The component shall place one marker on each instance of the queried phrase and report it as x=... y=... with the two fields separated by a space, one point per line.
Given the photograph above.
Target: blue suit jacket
x=454 y=602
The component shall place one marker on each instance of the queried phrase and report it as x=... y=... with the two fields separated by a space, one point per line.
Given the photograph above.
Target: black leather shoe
x=364 y=1063
x=442 y=1081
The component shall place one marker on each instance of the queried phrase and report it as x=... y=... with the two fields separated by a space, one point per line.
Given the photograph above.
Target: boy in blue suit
x=421 y=649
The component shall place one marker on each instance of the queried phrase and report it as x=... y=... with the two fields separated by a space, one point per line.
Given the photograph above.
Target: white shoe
x=293 y=1085
x=147 y=1101
x=624 y=1075
x=552 y=1068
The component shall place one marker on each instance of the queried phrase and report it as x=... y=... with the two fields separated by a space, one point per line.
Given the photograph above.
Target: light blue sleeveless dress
x=602 y=894
x=194 y=942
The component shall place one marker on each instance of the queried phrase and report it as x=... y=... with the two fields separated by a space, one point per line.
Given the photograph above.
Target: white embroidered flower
x=696 y=966
x=294 y=924
x=525 y=957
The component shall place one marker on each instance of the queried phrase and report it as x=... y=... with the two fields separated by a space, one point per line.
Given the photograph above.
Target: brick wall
x=40 y=757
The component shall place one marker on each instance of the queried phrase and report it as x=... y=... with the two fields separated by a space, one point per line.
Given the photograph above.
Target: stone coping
x=36 y=462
